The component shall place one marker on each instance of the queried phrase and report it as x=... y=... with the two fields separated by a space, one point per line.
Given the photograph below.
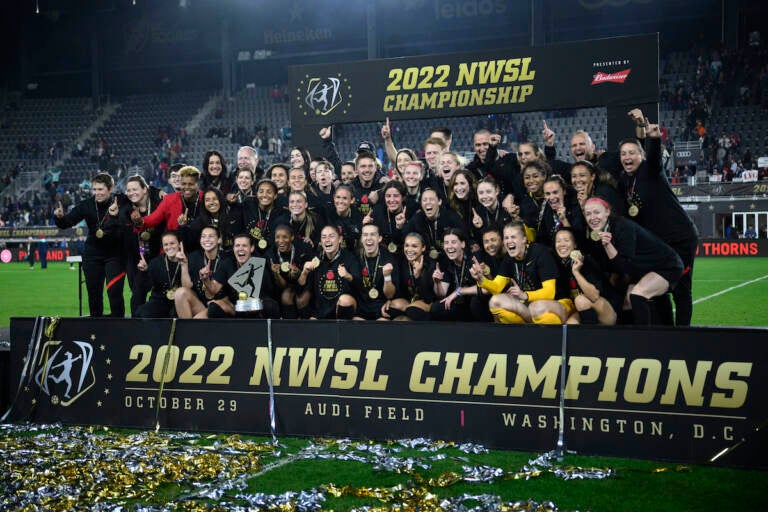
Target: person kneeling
x=524 y=290
x=203 y=275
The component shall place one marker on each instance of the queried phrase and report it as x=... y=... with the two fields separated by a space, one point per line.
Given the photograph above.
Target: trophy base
x=252 y=305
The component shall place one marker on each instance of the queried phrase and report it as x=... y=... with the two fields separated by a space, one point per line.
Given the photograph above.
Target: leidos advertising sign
x=671 y=394
x=602 y=72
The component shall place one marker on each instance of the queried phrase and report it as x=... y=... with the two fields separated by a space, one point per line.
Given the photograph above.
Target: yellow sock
x=547 y=318
x=504 y=316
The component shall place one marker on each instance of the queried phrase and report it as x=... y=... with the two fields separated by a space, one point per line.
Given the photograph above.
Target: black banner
x=667 y=394
x=750 y=188
x=616 y=71
x=688 y=156
x=42 y=232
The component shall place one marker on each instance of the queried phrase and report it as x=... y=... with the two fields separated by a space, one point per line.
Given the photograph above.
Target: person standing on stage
x=652 y=204
x=179 y=208
x=102 y=259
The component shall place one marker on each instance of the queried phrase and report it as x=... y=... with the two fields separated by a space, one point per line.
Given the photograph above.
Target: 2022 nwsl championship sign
x=675 y=394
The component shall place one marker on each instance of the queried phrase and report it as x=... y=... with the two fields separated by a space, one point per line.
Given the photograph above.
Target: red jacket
x=168 y=211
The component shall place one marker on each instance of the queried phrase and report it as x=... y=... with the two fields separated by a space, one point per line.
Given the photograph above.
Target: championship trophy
x=247 y=283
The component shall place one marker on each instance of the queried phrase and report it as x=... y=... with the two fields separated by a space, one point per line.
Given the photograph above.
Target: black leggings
x=683 y=290
x=97 y=270
x=140 y=284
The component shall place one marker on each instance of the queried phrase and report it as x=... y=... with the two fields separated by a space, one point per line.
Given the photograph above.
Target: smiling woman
x=524 y=290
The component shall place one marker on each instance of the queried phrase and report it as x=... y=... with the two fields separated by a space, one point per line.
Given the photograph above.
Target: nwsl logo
x=64 y=371
x=617 y=77
x=323 y=95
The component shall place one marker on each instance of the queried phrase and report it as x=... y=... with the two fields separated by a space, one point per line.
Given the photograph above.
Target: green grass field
x=729 y=292
x=742 y=285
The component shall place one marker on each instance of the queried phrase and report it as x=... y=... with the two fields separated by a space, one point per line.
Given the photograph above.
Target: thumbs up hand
x=114 y=208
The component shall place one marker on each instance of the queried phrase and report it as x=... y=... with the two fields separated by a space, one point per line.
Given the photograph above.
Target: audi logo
x=682 y=154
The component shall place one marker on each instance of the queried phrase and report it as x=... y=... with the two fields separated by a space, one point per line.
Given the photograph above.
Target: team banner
x=677 y=394
x=722 y=189
x=616 y=71
x=41 y=232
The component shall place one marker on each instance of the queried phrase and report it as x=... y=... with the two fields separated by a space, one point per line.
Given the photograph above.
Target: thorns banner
x=676 y=394
x=605 y=72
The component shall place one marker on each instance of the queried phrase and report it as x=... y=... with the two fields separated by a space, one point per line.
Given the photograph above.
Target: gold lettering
x=466 y=74
x=307 y=366
x=613 y=365
x=454 y=372
x=652 y=369
x=494 y=375
x=738 y=388
x=348 y=370
x=576 y=376
x=261 y=365
x=526 y=373
x=416 y=384
x=370 y=380
x=525 y=91
x=679 y=378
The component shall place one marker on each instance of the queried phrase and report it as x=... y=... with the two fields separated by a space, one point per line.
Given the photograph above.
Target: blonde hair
x=189 y=170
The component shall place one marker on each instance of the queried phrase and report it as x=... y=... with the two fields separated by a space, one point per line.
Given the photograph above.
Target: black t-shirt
x=327 y=285
x=538 y=265
x=165 y=275
x=222 y=268
x=372 y=277
x=419 y=287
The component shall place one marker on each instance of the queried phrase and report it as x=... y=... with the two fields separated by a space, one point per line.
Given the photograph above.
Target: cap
x=366 y=147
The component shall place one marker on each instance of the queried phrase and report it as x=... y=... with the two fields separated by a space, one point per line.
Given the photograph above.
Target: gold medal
x=575 y=255
x=486 y=270
x=170 y=293
x=595 y=235
x=99 y=233
x=434 y=254
x=633 y=210
x=262 y=244
x=315 y=261
x=373 y=293
x=145 y=235
x=285 y=266
x=256 y=233
x=392 y=247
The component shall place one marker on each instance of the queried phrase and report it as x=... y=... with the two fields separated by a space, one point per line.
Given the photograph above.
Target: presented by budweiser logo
x=617 y=77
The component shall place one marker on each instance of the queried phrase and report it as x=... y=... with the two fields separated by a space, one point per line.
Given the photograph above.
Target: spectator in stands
x=750 y=232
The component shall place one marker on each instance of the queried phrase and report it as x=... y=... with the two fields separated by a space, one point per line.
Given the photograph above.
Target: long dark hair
x=222 y=181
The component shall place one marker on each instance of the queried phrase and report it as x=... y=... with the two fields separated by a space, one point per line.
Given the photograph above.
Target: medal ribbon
x=166 y=359
x=375 y=269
